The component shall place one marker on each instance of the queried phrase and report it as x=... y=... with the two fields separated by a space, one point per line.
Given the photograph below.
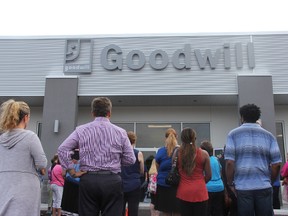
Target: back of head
x=188 y=136
x=148 y=161
x=75 y=155
x=171 y=140
x=12 y=113
x=250 y=113
x=207 y=146
x=132 y=137
x=55 y=160
x=153 y=168
x=101 y=106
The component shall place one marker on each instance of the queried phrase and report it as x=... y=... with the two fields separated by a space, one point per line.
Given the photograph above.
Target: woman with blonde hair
x=153 y=181
x=166 y=201
x=22 y=155
x=194 y=168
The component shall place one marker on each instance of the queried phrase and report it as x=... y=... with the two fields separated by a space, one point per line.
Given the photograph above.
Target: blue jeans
x=255 y=202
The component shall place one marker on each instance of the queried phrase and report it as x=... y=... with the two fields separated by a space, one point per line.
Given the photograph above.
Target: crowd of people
x=98 y=171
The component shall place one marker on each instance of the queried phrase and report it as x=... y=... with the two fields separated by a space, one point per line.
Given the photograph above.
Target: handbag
x=173 y=176
x=152 y=185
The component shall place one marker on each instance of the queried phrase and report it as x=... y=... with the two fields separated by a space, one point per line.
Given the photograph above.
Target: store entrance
x=151 y=136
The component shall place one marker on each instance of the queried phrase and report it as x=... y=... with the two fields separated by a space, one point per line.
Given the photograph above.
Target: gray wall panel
x=24 y=64
x=60 y=103
x=169 y=81
x=271 y=54
x=258 y=90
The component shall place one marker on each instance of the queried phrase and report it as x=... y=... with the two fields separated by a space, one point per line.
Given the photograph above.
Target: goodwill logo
x=78 y=56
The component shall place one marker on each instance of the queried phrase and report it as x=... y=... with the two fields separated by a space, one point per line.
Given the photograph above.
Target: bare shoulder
x=204 y=153
x=140 y=156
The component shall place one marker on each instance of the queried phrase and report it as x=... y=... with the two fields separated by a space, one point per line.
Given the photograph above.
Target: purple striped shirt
x=102 y=146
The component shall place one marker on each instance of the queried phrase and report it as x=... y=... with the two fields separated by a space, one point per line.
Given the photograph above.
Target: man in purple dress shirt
x=103 y=148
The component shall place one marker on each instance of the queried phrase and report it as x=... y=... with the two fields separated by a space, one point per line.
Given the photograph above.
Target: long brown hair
x=171 y=140
x=188 y=150
x=132 y=137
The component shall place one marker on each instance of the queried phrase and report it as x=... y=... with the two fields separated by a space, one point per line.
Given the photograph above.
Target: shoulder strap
x=175 y=150
x=175 y=156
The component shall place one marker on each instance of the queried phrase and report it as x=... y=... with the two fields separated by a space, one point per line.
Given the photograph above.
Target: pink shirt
x=284 y=170
x=57 y=177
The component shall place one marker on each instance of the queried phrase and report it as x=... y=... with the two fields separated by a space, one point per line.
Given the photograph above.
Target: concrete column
x=258 y=89
x=59 y=112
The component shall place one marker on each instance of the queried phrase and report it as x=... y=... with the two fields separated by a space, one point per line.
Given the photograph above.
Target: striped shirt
x=102 y=146
x=253 y=149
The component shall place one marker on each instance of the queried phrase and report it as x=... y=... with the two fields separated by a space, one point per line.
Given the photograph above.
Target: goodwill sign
x=113 y=58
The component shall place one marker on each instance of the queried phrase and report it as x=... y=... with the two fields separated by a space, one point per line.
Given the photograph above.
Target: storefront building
x=154 y=82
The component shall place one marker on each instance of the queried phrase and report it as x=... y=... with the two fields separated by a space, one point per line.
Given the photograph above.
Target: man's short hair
x=101 y=106
x=250 y=113
x=75 y=155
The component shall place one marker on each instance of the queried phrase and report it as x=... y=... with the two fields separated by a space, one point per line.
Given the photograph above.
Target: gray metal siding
x=271 y=54
x=24 y=64
x=169 y=81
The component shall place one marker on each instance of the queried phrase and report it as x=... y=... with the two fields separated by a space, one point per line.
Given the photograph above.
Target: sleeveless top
x=131 y=175
x=216 y=183
x=192 y=188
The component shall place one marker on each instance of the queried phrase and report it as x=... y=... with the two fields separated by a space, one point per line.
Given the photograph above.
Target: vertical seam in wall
x=134 y=125
x=210 y=120
x=251 y=40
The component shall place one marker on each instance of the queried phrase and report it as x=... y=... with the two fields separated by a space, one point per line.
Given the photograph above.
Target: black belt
x=102 y=172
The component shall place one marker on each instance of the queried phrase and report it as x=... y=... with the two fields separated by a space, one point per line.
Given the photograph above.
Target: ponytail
x=171 y=141
x=188 y=150
x=12 y=113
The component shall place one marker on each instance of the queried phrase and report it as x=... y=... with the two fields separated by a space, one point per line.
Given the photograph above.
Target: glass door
x=151 y=136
